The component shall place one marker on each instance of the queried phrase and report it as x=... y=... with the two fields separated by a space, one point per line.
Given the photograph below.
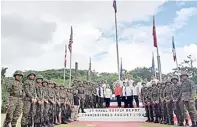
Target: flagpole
x=159 y=64
x=155 y=73
x=117 y=51
x=70 y=69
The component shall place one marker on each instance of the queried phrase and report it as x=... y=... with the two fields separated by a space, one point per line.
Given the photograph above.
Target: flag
x=114 y=5
x=121 y=70
x=153 y=65
x=173 y=49
x=89 y=72
x=70 y=40
x=65 y=56
x=154 y=33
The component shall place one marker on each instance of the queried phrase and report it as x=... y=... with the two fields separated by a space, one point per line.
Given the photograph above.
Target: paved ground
x=102 y=124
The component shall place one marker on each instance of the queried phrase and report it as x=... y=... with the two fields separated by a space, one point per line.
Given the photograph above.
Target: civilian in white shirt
x=100 y=94
x=124 y=94
x=129 y=96
x=108 y=95
x=136 y=93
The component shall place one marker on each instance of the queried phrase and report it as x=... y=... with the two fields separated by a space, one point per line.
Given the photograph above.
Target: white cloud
x=90 y=20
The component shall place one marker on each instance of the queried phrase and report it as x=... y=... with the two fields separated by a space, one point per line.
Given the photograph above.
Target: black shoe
x=180 y=124
x=147 y=120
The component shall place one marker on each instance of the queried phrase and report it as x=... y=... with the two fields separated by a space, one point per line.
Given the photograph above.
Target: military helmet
x=39 y=77
x=168 y=81
x=45 y=80
x=50 y=82
x=175 y=77
x=31 y=72
x=18 y=72
x=184 y=74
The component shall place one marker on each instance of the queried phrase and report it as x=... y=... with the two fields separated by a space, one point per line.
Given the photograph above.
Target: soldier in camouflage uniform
x=176 y=94
x=155 y=101
x=149 y=106
x=30 y=98
x=81 y=92
x=40 y=102
x=94 y=94
x=52 y=102
x=71 y=103
x=46 y=102
x=163 y=104
x=58 y=106
x=169 y=102
x=14 y=104
x=63 y=101
x=188 y=95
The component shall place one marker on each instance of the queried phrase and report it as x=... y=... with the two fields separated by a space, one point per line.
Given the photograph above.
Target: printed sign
x=114 y=114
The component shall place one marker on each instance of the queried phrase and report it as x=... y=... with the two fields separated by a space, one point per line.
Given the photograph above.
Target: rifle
x=32 y=109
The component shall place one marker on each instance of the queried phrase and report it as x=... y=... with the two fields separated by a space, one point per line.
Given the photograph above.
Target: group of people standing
x=162 y=99
x=126 y=90
x=44 y=103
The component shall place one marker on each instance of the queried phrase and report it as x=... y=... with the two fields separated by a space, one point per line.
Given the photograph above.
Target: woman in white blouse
x=108 y=95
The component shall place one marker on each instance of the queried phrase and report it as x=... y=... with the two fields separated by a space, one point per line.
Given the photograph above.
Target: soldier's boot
x=24 y=126
x=83 y=110
x=193 y=124
x=29 y=125
x=186 y=123
x=156 y=120
x=180 y=123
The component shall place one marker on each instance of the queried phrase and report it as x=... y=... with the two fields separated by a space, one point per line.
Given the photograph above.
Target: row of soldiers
x=162 y=99
x=42 y=103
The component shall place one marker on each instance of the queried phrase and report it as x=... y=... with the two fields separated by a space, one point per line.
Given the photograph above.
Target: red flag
x=65 y=56
x=154 y=33
x=70 y=40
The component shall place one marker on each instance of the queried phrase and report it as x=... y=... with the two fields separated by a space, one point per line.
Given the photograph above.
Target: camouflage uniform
x=52 y=102
x=14 y=102
x=71 y=103
x=155 y=101
x=163 y=104
x=176 y=94
x=46 y=102
x=63 y=101
x=81 y=92
x=40 y=103
x=169 y=102
x=29 y=106
x=148 y=106
x=188 y=95
x=58 y=106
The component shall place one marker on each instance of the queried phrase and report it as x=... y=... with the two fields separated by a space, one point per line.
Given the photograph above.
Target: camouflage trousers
x=82 y=101
x=28 y=113
x=87 y=101
x=65 y=113
x=94 y=101
x=45 y=113
x=178 y=111
x=169 y=106
x=51 y=114
x=163 y=111
x=190 y=106
x=39 y=113
x=13 y=112
x=156 y=111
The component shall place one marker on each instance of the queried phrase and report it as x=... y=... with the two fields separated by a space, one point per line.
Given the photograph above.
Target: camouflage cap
x=18 y=72
x=39 y=77
x=31 y=73
x=174 y=77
